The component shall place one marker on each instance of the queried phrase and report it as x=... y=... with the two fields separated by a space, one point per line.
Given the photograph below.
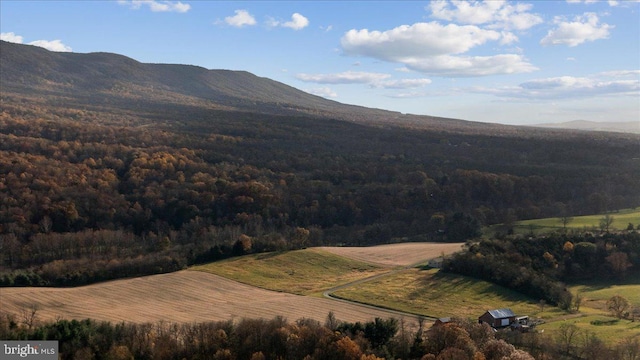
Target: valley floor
x=195 y=296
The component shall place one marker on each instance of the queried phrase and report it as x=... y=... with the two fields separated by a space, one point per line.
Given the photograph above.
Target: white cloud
x=297 y=22
x=496 y=14
x=375 y=80
x=409 y=95
x=11 y=37
x=326 y=28
x=508 y=38
x=240 y=19
x=417 y=40
x=323 y=91
x=573 y=33
x=611 y=3
x=625 y=83
x=469 y=66
x=347 y=77
x=621 y=74
x=433 y=48
x=401 y=84
x=53 y=45
x=157 y=6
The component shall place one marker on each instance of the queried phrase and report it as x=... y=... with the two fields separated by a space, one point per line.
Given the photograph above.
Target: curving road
x=329 y=293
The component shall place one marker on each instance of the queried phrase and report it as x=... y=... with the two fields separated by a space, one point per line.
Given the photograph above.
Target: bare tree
x=567 y=337
x=565 y=220
x=331 y=322
x=630 y=348
x=618 y=306
x=577 y=301
x=606 y=222
x=30 y=315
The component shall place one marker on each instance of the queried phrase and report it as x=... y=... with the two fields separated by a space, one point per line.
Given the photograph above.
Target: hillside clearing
x=302 y=272
x=403 y=254
x=310 y=271
x=196 y=296
x=184 y=296
x=621 y=220
x=436 y=294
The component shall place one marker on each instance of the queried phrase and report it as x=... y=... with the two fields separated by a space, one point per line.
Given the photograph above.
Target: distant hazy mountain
x=31 y=69
x=627 y=127
x=110 y=79
x=106 y=79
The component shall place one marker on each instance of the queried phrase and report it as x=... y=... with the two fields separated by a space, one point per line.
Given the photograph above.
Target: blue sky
x=507 y=62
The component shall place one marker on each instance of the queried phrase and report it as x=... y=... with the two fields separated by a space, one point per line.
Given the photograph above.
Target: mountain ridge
x=100 y=77
x=586 y=125
x=105 y=79
x=26 y=67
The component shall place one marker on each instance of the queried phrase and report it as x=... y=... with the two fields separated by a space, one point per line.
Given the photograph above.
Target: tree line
x=538 y=266
x=278 y=338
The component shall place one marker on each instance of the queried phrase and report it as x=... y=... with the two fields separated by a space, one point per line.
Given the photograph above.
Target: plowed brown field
x=194 y=296
x=184 y=296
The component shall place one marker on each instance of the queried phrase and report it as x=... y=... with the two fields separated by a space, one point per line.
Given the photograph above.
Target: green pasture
x=303 y=272
x=600 y=292
x=621 y=220
x=608 y=329
x=437 y=294
x=426 y=292
x=594 y=316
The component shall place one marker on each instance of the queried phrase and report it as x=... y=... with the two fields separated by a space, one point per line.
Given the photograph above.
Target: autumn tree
x=619 y=263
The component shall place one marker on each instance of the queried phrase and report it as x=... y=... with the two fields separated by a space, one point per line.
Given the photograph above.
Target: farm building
x=442 y=321
x=498 y=318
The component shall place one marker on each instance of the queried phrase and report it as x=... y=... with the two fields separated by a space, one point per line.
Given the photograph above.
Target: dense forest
x=94 y=194
x=260 y=339
x=112 y=168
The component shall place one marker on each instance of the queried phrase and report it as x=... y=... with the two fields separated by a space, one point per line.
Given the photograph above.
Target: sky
x=519 y=63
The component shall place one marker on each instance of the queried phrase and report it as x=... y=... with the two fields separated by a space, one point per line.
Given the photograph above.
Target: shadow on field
x=268 y=255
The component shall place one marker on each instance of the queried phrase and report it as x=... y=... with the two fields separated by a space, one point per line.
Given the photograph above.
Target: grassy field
x=194 y=296
x=436 y=294
x=594 y=317
x=302 y=272
x=188 y=296
x=596 y=294
x=606 y=328
x=621 y=220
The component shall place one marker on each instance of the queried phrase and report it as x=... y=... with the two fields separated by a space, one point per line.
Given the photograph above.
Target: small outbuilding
x=442 y=321
x=498 y=318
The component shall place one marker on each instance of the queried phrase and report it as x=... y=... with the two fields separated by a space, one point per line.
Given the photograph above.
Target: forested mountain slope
x=110 y=167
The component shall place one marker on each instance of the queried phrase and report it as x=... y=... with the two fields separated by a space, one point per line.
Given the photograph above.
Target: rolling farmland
x=184 y=296
x=403 y=254
x=194 y=296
